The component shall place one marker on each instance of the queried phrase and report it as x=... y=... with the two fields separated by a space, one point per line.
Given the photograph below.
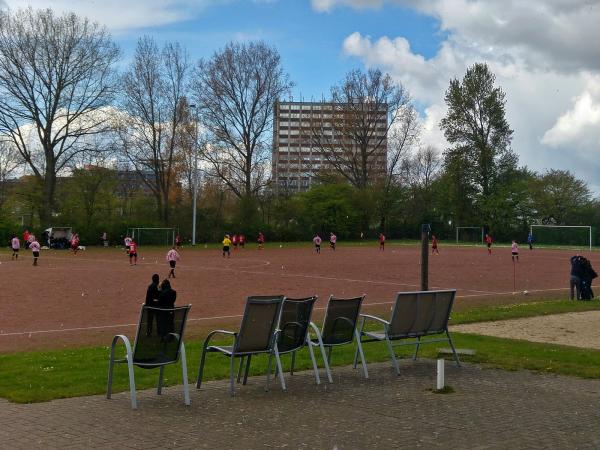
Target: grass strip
x=43 y=376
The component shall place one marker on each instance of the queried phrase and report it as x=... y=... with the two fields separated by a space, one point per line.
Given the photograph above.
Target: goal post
x=563 y=235
x=469 y=234
x=153 y=236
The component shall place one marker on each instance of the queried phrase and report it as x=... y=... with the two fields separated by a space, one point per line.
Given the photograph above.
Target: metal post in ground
x=425 y=228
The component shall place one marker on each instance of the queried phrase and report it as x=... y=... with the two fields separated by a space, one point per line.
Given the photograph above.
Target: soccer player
x=234 y=241
x=172 y=258
x=26 y=240
x=226 y=245
x=261 y=240
x=74 y=243
x=434 y=245
x=488 y=242
x=132 y=253
x=381 y=241
x=34 y=245
x=530 y=240
x=514 y=248
x=332 y=241
x=242 y=240
x=177 y=242
x=127 y=242
x=15 y=245
x=317 y=242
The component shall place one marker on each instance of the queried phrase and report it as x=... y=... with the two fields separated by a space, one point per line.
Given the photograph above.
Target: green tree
x=476 y=127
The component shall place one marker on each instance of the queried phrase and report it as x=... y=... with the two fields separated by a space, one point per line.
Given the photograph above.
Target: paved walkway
x=489 y=409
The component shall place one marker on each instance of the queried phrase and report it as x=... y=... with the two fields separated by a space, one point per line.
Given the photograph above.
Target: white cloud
x=543 y=53
x=120 y=15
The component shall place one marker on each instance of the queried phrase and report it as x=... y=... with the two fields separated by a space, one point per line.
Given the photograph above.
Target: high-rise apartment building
x=297 y=156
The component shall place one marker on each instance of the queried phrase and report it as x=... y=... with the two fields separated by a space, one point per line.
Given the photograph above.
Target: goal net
x=153 y=236
x=470 y=235
x=570 y=236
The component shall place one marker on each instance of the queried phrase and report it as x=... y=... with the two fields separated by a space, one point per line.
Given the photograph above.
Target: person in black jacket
x=166 y=300
x=576 y=274
x=588 y=274
x=152 y=294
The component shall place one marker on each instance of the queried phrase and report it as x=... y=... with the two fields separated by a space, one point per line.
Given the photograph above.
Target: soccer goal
x=153 y=236
x=469 y=234
x=572 y=236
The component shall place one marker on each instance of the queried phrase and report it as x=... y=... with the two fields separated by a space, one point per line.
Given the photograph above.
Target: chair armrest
x=212 y=333
x=128 y=349
x=375 y=318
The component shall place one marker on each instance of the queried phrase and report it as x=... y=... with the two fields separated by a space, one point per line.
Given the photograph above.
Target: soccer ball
x=525 y=292
x=280 y=245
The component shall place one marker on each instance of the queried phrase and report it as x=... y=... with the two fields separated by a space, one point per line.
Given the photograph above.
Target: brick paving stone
x=490 y=409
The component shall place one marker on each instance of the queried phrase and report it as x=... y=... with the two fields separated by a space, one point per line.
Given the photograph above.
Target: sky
x=545 y=54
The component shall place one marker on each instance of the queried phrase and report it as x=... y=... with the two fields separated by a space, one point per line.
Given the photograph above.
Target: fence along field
x=74 y=300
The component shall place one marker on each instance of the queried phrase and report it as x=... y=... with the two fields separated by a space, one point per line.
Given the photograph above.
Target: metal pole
x=425 y=256
x=195 y=176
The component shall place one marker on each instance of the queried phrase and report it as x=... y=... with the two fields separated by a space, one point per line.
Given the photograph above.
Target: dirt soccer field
x=84 y=299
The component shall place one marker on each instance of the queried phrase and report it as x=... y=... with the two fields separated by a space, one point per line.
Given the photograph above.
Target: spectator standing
x=575 y=278
x=152 y=294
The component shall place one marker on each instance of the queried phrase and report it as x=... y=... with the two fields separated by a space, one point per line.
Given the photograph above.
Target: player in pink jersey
x=332 y=241
x=15 y=244
x=514 y=249
x=172 y=258
x=317 y=242
x=35 y=249
x=75 y=243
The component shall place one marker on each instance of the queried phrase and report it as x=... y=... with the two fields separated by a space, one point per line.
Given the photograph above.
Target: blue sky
x=308 y=41
x=543 y=52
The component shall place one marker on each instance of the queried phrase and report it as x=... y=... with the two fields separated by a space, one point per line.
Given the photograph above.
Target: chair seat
x=148 y=363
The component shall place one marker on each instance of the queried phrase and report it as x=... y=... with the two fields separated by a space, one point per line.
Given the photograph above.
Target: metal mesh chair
x=339 y=328
x=256 y=335
x=293 y=332
x=158 y=342
x=414 y=315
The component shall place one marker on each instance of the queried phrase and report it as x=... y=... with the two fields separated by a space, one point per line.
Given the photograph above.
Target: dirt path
x=580 y=329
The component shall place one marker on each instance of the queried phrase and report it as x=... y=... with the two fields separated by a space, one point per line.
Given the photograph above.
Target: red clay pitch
x=84 y=299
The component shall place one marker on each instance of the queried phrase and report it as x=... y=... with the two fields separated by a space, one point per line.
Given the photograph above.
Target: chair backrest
x=259 y=323
x=159 y=335
x=294 y=322
x=340 y=320
x=420 y=313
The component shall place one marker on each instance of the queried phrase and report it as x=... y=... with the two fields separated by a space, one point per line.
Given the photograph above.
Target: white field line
x=198 y=319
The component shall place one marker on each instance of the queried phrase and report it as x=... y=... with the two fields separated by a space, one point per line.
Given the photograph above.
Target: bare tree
x=9 y=163
x=353 y=136
x=236 y=90
x=154 y=89
x=421 y=169
x=56 y=72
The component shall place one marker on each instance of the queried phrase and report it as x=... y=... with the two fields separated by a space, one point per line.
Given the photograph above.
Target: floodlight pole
x=195 y=176
x=425 y=228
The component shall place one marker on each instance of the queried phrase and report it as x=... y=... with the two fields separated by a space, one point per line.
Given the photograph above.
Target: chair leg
x=160 y=380
x=314 y=361
x=293 y=363
x=362 y=355
x=239 y=374
x=362 y=327
x=278 y=361
x=393 y=355
x=129 y=358
x=417 y=348
x=249 y=357
x=184 y=376
x=269 y=372
x=231 y=375
x=201 y=368
x=453 y=349
x=111 y=365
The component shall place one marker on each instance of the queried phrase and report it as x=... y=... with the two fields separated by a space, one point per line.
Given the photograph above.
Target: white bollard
x=440 y=374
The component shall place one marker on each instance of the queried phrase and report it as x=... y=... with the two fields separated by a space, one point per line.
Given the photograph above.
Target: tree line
x=69 y=118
